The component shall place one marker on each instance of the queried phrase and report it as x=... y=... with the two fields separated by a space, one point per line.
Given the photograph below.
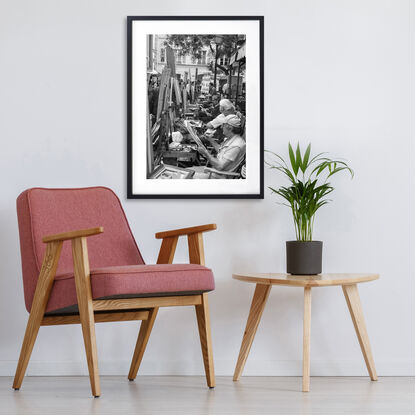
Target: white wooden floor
x=158 y=395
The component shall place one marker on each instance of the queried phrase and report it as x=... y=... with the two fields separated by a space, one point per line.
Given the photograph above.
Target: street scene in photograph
x=196 y=119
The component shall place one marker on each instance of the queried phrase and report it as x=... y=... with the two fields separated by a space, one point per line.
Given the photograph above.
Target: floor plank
x=189 y=395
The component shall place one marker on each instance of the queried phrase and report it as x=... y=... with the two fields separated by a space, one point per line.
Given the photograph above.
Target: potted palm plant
x=306 y=193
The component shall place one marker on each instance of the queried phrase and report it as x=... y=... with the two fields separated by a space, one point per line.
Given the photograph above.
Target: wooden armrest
x=222 y=173
x=186 y=231
x=73 y=234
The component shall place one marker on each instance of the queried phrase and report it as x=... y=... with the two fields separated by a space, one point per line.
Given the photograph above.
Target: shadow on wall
x=280 y=328
x=252 y=237
x=11 y=283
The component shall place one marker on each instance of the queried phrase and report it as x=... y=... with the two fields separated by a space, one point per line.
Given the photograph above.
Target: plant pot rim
x=304 y=242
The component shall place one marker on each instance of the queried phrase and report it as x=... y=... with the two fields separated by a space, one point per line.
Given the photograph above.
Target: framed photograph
x=195 y=107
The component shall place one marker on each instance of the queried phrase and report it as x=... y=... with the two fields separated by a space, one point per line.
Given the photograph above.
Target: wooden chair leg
x=86 y=310
x=32 y=330
x=351 y=294
x=306 y=339
x=40 y=300
x=166 y=255
x=203 y=322
x=142 y=340
x=255 y=313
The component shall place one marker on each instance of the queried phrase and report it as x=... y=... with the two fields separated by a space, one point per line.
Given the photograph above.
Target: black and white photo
x=195 y=133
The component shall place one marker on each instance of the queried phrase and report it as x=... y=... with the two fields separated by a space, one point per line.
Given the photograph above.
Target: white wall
x=338 y=73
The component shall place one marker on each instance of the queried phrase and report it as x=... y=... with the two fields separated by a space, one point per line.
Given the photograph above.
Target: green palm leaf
x=305 y=159
x=292 y=159
x=305 y=197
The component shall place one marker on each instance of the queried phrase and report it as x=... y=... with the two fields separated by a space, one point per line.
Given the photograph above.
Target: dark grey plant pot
x=304 y=258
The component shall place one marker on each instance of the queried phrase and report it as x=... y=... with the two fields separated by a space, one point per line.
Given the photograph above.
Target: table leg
x=255 y=313
x=306 y=339
x=355 y=307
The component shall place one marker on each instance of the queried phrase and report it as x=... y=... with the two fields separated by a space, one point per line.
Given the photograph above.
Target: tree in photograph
x=193 y=45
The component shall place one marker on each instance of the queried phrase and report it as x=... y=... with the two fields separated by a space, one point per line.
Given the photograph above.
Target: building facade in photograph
x=184 y=62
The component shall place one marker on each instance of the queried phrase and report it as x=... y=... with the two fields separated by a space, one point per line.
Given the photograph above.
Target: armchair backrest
x=43 y=212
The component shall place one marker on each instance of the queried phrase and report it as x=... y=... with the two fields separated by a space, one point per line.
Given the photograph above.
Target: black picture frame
x=130 y=194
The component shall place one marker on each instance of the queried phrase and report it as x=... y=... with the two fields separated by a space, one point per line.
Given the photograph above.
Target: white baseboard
x=222 y=368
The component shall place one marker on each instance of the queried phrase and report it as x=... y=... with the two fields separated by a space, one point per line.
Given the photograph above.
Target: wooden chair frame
x=97 y=311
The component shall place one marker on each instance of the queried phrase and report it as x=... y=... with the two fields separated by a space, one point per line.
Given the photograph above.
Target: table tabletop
x=319 y=280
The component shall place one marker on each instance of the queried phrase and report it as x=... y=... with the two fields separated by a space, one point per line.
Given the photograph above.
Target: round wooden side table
x=264 y=282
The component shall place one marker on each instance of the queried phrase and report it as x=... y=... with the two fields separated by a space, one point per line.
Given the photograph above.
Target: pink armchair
x=105 y=279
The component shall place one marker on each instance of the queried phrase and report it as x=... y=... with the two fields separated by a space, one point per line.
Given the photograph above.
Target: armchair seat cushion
x=129 y=281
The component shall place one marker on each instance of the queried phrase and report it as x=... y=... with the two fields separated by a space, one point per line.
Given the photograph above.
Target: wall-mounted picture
x=195 y=107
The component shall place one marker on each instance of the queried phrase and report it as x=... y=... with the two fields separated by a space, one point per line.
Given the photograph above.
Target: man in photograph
x=153 y=97
x=231 y=152
x=210 y=111
x=226 y=108
x=225 y=89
